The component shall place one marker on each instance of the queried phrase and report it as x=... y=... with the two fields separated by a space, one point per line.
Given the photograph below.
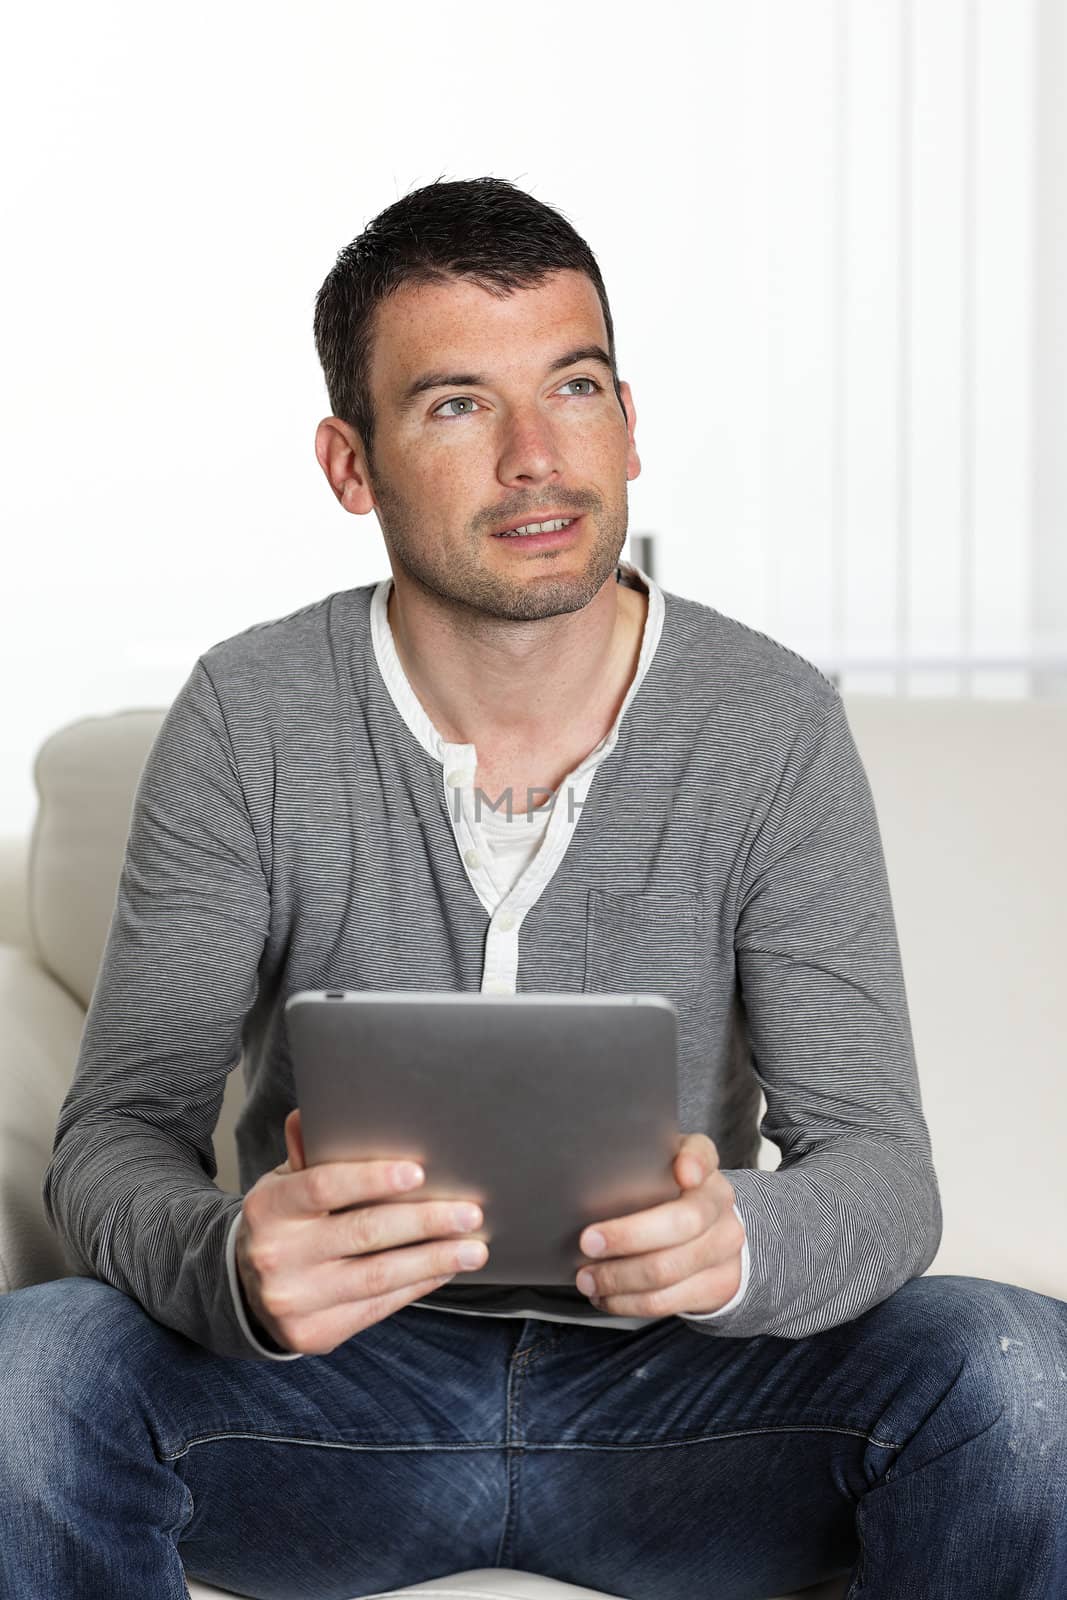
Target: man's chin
x=540 y=595
x=541 y=590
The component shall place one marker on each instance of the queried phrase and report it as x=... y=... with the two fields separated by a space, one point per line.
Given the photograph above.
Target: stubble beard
x=479 y=584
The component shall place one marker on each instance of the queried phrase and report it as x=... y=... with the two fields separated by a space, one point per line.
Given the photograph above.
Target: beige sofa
x=972 y=800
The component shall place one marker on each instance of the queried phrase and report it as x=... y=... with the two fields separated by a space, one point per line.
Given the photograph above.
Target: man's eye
x=457 y=400
x=461 y=399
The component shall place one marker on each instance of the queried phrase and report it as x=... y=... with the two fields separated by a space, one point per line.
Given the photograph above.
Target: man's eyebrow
x=462 y=380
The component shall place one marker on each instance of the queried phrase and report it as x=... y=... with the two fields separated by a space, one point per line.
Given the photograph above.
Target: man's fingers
x=661 y=1225
x=674 y=1222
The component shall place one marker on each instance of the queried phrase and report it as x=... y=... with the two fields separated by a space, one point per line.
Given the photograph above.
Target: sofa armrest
x=38 y=1050
x=14 y=900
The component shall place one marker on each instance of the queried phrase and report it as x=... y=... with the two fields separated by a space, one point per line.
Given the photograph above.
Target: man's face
x=523 y=443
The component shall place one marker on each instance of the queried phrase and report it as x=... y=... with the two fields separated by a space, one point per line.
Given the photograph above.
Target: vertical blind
x=899 y=223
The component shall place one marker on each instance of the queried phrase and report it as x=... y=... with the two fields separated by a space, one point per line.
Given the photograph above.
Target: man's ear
x=340 y=453
x=633 y=460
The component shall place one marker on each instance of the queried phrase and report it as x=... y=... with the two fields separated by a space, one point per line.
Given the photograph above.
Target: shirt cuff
x=238 y=1301
x=746 y=1267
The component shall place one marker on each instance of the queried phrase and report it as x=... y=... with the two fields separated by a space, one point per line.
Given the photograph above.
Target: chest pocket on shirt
x=647 y=944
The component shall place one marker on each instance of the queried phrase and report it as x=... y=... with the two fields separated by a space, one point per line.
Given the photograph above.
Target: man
x=747 y=1389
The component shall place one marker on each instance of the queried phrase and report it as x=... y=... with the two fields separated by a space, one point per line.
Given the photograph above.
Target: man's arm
x=129 y=1186
x=853 y=1212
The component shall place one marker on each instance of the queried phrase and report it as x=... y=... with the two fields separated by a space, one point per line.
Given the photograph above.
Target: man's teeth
x=536 y=527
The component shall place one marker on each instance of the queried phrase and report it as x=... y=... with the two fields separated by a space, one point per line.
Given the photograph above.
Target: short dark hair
x=482 y=229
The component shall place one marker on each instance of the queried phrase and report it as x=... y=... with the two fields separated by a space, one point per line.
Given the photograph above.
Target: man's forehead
x=446 y=324
x=463 y=297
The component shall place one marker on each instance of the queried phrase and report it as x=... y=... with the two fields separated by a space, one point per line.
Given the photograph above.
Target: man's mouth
x=549 y=530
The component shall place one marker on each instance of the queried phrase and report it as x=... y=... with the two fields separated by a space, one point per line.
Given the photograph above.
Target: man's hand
x=323 y=1252
x=684 y=1255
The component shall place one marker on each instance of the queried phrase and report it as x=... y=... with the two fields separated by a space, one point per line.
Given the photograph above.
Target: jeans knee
x=78 y=1466
x=61 y=1344
x=1011 y=1345
x=1026 y=1360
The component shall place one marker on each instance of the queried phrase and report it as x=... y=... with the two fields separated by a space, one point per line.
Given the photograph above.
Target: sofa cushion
x=38 y=1043
x=86 y=775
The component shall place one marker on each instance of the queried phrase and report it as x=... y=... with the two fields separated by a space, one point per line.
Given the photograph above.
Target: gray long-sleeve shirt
x=295 y=827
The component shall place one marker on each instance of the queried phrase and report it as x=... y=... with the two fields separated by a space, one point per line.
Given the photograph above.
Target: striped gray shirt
x=292 y=830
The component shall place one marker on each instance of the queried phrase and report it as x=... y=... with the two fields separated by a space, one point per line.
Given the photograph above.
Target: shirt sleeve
x=853 y=1210
x=129 y=1188
x=746 y=1268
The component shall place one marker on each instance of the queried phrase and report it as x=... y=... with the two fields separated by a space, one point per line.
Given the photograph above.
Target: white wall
x=816 y=223
x=1049 y=574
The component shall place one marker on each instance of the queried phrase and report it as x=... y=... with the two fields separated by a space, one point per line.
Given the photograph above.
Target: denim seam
x=528 y=1444
x=707 y=1438
x=516 y=1372
x=323 y=1444
x=534 y=1352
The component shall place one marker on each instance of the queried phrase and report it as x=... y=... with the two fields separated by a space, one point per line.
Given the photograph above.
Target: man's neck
x=559 y=689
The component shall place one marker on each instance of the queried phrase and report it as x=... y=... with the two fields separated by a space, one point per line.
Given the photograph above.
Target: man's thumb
x=294 y=1141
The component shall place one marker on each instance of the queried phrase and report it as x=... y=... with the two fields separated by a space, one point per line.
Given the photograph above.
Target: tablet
x=552 y=1111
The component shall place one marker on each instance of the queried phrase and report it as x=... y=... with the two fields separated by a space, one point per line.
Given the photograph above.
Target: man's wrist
x=744 y=1273
x=254 y=1323
x=261 y=1341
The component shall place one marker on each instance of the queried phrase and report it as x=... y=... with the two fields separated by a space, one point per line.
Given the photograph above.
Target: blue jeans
x=921 y=1448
